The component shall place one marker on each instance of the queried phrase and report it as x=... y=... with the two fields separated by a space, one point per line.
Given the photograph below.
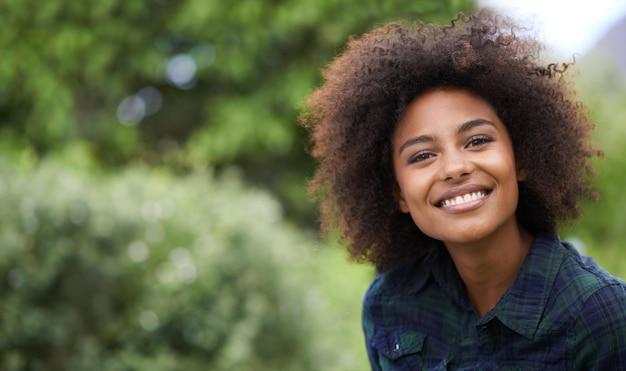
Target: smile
x=464 y=201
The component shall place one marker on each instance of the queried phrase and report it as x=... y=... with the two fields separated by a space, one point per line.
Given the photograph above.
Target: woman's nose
x=455 y=166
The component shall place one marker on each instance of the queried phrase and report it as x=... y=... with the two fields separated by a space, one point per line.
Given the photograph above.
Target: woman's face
x=455 y=167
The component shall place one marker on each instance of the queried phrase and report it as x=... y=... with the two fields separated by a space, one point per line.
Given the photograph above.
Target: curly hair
x=352 y=116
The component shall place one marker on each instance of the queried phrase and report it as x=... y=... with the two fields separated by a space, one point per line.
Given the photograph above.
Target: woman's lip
x=460 y=191
x=467 y=206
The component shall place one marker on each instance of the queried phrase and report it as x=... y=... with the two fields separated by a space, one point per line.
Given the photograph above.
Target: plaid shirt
x=562 y=312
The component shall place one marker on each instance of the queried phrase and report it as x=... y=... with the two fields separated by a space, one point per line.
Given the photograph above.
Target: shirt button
x=396 y=347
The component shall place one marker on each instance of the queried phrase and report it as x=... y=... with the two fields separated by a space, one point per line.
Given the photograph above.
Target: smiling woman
x=448 y=155
x=454 y=166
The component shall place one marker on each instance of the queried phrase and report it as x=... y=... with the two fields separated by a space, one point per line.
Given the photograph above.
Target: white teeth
x=468 y=197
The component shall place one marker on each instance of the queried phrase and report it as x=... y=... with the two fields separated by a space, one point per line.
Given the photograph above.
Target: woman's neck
x=488 y=267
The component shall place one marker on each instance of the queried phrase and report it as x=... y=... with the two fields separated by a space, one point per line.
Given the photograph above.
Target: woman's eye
x=420 y=156
x=478 y=140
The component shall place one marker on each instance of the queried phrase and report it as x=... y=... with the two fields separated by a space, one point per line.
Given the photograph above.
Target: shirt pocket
x=400 y=349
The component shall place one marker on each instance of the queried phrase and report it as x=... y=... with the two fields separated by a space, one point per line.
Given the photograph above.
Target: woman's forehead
x=444 y=108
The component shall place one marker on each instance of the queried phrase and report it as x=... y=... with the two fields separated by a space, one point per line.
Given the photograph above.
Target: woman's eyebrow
x=472 y=124
x=416 y=140
x=466 y=126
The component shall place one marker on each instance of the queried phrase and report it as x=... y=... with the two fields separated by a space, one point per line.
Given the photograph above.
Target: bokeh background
x=154 y=213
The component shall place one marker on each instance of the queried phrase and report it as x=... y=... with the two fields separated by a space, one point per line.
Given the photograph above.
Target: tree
x=186 y=83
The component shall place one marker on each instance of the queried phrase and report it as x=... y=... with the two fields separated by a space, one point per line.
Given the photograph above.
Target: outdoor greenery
x=601 y=228
x=153 y=184
x=147 y=271
x=195 y=83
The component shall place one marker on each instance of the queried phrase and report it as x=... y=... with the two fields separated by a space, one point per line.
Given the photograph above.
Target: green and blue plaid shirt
x=563 y=312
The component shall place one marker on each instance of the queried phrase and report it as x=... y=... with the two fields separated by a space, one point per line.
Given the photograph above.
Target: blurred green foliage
x=603 y=90
x=229 y=78
x=146 y=271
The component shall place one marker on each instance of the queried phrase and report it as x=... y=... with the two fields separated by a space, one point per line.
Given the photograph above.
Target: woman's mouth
x=464 y=202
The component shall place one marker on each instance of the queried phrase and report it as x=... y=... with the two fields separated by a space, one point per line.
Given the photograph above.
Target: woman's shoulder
x=590 y=304
x=582 y=276
x=583 y=290
x=390 y=289
x=597 y=313
x=402 y=280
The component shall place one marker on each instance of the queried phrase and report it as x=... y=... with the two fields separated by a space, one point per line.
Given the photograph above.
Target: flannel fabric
x=563 y=312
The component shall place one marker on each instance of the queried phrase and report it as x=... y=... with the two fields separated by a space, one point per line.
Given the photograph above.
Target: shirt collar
x=438 y=265
x=521 y=307
x=444 y=272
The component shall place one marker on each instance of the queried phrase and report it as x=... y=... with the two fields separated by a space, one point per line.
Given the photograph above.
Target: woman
x=447 y=157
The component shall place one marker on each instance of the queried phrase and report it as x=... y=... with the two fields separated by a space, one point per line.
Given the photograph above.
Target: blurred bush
x=147 y=271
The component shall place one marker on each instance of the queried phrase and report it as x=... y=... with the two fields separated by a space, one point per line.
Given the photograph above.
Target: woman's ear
x=399 y=197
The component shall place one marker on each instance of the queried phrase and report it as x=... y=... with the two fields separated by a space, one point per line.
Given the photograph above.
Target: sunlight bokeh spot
x=131 y=110
x=152 y=99
x=182 y=260
x=149 y=320
x=181 y=71
x=138 y=251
